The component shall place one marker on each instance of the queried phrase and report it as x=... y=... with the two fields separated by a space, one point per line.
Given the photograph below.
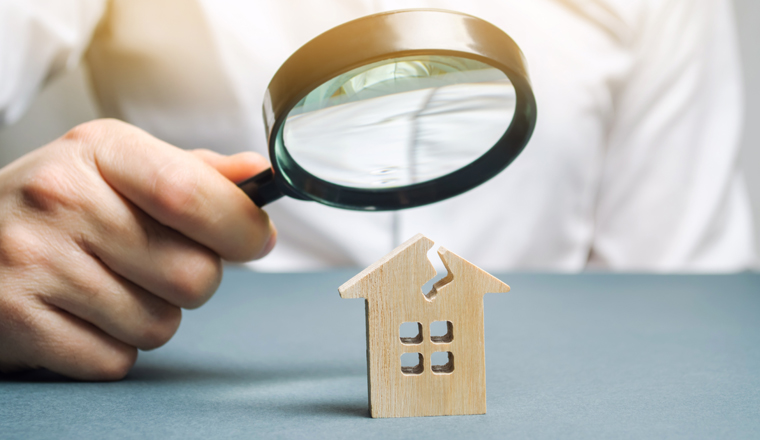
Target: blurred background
x=67 y=101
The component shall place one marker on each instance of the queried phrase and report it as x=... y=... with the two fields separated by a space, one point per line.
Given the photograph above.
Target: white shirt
x=632 y=165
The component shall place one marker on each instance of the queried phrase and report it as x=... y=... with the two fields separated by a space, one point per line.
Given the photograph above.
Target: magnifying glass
x=395 y=110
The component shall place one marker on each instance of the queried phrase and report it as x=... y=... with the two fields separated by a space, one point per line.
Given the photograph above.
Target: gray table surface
x=567 y=356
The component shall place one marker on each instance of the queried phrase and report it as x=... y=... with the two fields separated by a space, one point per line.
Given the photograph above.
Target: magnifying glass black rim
x=488 y=44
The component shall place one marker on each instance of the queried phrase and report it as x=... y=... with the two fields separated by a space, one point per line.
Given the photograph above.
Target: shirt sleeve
x=39 y=38
x=671 y=196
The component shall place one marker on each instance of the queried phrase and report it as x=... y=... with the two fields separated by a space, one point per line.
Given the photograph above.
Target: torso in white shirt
x=194 y=74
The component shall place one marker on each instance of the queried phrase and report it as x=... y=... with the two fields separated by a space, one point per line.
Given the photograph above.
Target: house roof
x=354 y=287
x=417 y=268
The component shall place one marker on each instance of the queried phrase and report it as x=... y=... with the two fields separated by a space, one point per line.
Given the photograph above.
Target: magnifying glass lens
x=400 y=122
x=394 y=111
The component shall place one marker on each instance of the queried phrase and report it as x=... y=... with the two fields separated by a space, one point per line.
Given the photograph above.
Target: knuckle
x=20 y=247
x=115 y=222
x=16 y=315
x=87 y=285
x=115 y=365
x=195 y=278
x=92 y=130
x=49 y=188
x=83 y=132
x=161 y=329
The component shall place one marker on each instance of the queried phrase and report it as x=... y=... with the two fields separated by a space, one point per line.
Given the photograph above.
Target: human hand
x=105 y=234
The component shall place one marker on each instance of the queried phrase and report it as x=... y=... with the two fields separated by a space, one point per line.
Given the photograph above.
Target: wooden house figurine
x=392 y=288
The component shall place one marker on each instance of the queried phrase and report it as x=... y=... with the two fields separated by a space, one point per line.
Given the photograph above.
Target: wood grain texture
x=392 y=288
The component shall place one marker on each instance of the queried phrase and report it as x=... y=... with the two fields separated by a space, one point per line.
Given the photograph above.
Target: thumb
x=237 y=167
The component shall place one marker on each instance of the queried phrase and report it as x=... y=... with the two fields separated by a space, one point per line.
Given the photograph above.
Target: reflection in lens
x=399 y=122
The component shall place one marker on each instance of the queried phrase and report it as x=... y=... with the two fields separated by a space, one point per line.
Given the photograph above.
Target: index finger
x=181 y=191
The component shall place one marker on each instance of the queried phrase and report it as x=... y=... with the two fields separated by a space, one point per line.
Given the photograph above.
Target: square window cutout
x=411 y=333
x=442 y=362
x=441 y=332
x=412 y=363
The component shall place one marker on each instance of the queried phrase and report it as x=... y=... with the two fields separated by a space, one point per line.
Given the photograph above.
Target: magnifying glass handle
x=261 y=188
